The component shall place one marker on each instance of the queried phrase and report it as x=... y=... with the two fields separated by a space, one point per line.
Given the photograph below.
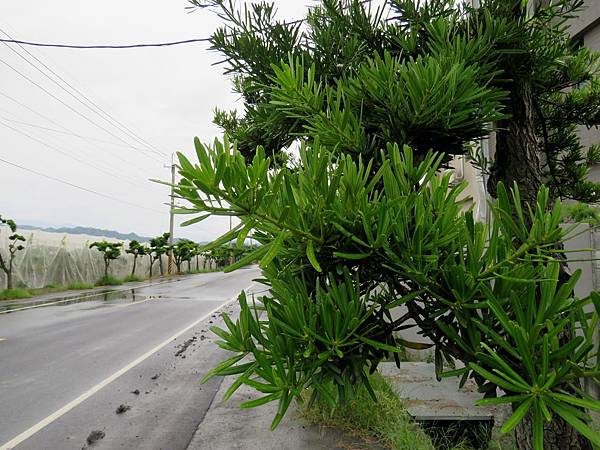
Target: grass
x=109 y=280
x=8 y=294
x=21 y=293
x=386 y=421
x=12 y=294
x=78 y=286
x=195 y=271
x=132 y=278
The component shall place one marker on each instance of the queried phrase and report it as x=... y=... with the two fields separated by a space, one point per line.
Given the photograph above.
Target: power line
x=105 y=116
x=126 y=46
x=65 y=131
x=69 y=131
x=161 y=44
x=80 y=187
x=68 y=106
x=68 y=155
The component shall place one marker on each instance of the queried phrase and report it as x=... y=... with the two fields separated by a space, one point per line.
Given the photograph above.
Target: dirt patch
x=183 y=347
x=122 y=409
x=95 y=436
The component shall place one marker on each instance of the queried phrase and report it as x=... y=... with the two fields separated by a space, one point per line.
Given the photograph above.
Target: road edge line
x=73 y=403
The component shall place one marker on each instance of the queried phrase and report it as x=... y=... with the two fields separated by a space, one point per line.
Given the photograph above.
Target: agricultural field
x=63 y=259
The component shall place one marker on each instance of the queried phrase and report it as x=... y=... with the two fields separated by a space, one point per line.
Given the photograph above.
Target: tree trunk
x=558 y=435
x=151 y=264
x=162 y=271
x=517 y=157
x=517 y=161
x=106 y=263
x=134 y=262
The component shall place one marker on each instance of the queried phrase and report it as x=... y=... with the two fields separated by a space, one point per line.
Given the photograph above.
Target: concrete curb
x=228 y=427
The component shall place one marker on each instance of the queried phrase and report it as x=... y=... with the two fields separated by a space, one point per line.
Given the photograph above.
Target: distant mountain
x=89 y=231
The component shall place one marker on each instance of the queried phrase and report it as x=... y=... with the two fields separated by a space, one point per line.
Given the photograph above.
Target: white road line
x=69 y=406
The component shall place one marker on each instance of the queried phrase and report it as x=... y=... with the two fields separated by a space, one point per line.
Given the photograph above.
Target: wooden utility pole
x=171 y=219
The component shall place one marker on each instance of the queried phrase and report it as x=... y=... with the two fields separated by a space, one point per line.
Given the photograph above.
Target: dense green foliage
x=358 y=226
x=436 y=74
x=344 y=244
x=15 y=244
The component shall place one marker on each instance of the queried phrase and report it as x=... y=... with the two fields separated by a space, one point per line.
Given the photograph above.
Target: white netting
x=54 y=258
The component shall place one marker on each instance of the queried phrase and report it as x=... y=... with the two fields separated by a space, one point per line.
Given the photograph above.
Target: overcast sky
x=164 y=95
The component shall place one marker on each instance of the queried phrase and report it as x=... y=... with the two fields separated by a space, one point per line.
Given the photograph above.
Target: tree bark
x=9 y=283
x=517 y=162
x=558 y=435
x=517 y=146
x=134 y=262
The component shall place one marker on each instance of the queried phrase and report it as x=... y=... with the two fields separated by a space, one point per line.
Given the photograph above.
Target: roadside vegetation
x=189 y=258
x=9 y=294
x=15 y=245
x=367 y=218
x=386 y=421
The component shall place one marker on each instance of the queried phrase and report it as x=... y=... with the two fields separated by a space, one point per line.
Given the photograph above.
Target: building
x=586 y=28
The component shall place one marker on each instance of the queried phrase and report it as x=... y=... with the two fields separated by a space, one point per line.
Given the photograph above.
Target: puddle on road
x=107 y=298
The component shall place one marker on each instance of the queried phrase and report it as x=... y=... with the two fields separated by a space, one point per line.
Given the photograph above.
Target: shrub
x=9 y=294
x=79 y=285
x=109 y=280
x=132 y=278
x=344 y=241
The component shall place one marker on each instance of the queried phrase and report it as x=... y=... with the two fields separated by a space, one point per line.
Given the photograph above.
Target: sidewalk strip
x=69 y=406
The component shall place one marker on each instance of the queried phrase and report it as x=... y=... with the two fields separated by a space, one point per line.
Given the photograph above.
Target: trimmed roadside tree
x=183 y=250
x=110 y=251
x=15 y=244
x=136 y=249
x=159 y=246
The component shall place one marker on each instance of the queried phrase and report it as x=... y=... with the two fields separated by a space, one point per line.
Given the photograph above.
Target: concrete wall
x=584 y=240
x=589 y=18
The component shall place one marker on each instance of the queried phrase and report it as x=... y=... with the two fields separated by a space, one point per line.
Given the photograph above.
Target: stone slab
x=428 y=399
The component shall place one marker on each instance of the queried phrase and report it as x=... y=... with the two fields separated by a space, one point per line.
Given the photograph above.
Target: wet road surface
x=66 y=368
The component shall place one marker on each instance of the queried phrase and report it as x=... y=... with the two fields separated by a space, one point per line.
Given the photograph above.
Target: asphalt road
x=66 y=368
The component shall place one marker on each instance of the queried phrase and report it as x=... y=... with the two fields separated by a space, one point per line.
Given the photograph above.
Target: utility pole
x=171 y=219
